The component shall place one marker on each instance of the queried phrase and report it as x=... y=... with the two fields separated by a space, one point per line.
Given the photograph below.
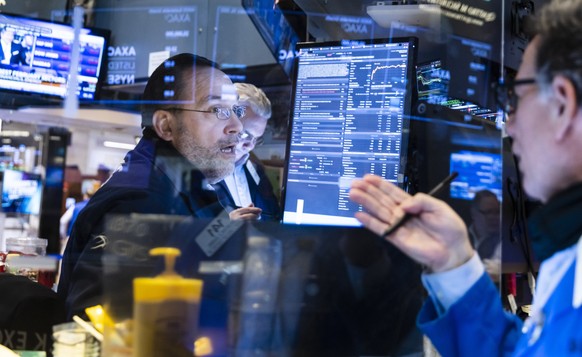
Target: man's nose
x=234 y=125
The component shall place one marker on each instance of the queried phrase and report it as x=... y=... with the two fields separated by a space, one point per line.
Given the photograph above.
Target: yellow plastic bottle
x=165 y=311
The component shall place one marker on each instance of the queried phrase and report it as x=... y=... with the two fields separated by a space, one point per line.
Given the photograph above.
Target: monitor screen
x=432 y=82
x=21 y=192
x=35 y=57
x=351 y=104
x=477 y=171
x=433 y=86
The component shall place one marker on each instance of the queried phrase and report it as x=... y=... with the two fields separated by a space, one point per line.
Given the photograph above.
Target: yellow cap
x=168 y=285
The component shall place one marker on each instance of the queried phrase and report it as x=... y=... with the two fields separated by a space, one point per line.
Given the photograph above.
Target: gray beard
x=207 y=160
x=213 y=167
x=216 y=173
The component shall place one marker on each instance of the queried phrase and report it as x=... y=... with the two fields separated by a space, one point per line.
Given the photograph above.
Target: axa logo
x=354 y=28
x=285 y=55
x=177 y=18
x=120 y=51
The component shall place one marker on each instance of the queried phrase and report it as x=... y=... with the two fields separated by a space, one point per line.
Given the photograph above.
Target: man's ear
x=161 y=122
x=567 y=107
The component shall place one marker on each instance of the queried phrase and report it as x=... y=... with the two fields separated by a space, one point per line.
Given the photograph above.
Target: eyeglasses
x=506 y=98
x=222 y=113
x=246 y=136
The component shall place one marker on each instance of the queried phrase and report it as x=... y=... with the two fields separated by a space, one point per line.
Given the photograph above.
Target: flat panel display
x=351 y=104
x=477 y=171
x=276 y=31
x=433 y=84
x=35 y=57
x=21 y=192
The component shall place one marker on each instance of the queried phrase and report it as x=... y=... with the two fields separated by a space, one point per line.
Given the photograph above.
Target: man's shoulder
x=134 y=192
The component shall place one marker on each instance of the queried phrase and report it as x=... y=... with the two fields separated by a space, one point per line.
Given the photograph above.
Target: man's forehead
x=210 y=73
x=228 y=92
x=213 y=85
x=527 y=68
x=223 y=93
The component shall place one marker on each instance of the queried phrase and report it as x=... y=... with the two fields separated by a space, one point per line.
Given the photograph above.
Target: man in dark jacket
x=191 y=126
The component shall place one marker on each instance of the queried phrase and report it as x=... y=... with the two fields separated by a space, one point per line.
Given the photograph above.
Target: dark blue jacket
x=143 y=184
x=78 y=207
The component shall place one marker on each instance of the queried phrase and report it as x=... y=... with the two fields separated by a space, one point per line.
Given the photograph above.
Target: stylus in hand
x=432 y=192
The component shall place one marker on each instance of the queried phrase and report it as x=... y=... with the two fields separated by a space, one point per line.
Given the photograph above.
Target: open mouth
x=228 y=149
x=229 y=146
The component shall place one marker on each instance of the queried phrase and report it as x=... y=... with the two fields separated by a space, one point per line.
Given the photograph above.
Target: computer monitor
x=350 y=110
x=21 y=192
x=433 y=82
x=477 y=171
x=273 y=26
x=36 y=57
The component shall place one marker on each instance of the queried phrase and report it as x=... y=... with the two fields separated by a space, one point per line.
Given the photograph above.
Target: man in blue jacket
x=464 y=316
x=191 y=121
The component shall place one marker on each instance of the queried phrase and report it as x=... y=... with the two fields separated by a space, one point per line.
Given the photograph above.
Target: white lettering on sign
x=17 y=340
x=121 y=51
x=355 y=28
x=121 y=79
x=177 y=18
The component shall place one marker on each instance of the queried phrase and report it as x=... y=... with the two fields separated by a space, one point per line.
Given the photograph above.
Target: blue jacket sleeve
x=476 y=325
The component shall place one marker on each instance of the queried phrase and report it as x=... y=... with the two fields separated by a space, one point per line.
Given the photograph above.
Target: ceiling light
x=118 y=145
x=423 y=15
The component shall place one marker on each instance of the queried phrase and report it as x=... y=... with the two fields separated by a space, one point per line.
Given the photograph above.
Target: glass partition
x=330 y=289
x=272 y=289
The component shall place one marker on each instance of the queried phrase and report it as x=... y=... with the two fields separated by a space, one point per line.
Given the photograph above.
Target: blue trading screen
x=433 y=83
x=477 y=171
x=21 y=192
x=350 y=110
x=40 y=57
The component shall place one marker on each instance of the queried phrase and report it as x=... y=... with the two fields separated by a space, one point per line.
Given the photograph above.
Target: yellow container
x=165 y=311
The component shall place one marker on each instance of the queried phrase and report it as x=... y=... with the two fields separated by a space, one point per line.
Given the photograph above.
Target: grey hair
x=559 y=27
x=255 y=97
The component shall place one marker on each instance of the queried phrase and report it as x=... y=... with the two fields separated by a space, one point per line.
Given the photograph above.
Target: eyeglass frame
x=505 y=94
x=217 y=110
